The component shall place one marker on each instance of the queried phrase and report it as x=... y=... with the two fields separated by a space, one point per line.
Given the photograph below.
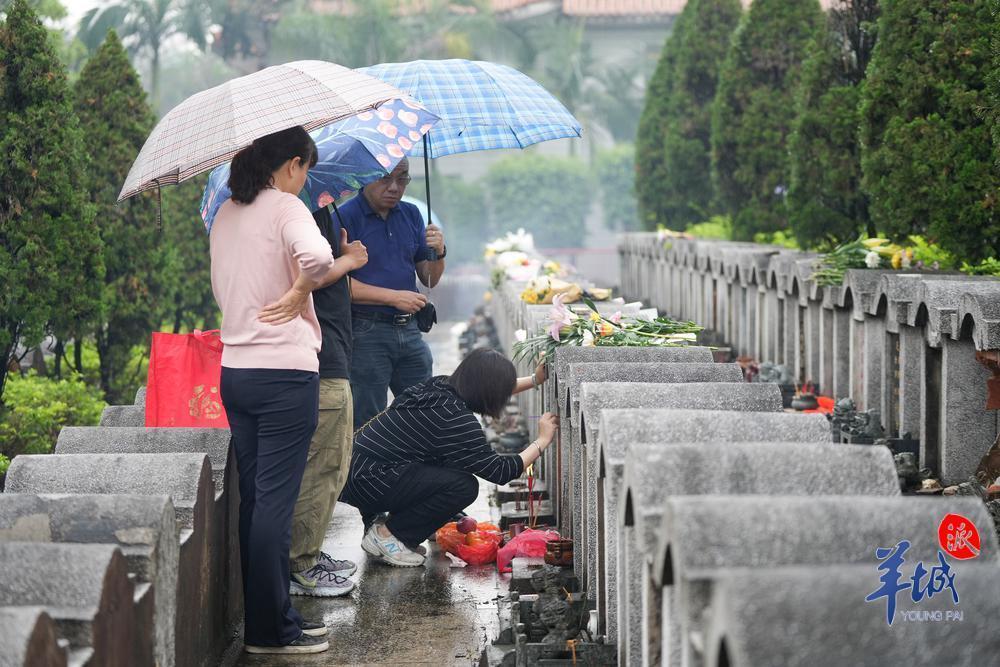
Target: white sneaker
x=390 y=549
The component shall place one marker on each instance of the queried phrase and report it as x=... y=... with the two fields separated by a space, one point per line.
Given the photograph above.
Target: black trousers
x=272 y=415
x=423 y=499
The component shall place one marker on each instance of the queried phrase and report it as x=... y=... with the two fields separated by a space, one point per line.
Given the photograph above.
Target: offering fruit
x=467 y=525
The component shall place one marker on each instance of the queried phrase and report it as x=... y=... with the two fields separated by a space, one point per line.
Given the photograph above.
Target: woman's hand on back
x=547 y=426
x=287 y=308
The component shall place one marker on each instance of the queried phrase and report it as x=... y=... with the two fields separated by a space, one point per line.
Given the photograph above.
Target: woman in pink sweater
x=268 y=254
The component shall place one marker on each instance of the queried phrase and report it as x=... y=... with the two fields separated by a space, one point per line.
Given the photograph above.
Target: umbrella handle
x=432 y=254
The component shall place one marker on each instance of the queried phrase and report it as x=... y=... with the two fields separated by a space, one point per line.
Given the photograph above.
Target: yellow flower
x=490 y=252
x=529 y=296
x=897 y=259
x=604 y=329
x=595 y=316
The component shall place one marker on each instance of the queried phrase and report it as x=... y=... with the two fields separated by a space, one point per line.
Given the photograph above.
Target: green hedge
x=615 y=169
x=36 y=408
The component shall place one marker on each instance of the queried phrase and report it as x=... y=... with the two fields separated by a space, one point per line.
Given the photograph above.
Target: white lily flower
x=872 y=259
x=520 y=335
x=588 y=339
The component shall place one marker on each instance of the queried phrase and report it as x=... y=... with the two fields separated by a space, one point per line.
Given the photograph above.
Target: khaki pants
x=326 y=472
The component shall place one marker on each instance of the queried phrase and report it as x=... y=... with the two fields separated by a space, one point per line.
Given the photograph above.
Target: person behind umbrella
x=389 y=351
x=418 y=460
x=266 y=251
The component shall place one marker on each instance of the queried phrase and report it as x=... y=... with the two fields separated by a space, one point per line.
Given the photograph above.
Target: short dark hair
x=253 y=167
x=485 y=380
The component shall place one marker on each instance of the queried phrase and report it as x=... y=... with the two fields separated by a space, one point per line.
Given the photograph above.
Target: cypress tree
x=194 y=304
x=753 y=112
x=926 y=153
x=825 y=200
x=116 y=119
x=649 y=156
x=50 y=253
x=701 y=42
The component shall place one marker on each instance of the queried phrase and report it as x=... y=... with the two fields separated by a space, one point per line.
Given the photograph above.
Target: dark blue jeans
x=272 y=416
x=386 y=356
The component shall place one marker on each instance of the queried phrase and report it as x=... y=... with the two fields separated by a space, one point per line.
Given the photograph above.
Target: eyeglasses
x=401 y=181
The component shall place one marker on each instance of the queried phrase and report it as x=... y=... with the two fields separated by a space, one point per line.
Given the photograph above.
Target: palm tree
x=144 y=25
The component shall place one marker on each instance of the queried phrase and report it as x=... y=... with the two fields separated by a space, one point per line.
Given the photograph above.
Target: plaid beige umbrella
x=210 y=127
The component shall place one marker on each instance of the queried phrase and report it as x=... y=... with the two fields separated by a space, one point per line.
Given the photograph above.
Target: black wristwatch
x=442 y=255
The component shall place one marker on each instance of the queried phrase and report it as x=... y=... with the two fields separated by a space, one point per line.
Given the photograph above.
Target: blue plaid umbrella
x=482 y=105
x=352 y=153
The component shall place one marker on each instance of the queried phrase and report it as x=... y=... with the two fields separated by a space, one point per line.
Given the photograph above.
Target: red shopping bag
x=182 y=388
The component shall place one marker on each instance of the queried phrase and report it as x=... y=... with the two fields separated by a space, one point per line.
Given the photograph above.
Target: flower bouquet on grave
x=862 y=253
x=544 y=290
x=591 y=329
x=519 y=241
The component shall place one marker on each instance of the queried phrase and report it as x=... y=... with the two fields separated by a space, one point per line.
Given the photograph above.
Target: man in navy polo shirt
x=389 y=350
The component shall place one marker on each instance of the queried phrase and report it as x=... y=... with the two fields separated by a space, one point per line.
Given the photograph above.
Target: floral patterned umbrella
x=352 y=153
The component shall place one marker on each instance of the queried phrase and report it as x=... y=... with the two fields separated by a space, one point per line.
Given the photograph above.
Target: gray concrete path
x=431 y=615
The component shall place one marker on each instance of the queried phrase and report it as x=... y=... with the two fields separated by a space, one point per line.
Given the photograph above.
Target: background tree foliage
x=825 y=200
x=754 y=109
x=926 y=152
x=50 y=252
x=702 y=40
x=549 y=196
x=650 y=160
x=193 y=304
x=140 y=278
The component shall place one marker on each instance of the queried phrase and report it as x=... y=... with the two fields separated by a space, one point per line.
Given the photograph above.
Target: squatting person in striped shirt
x=413 y=464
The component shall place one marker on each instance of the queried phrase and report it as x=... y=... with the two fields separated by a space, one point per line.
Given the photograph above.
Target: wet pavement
x=431 y=615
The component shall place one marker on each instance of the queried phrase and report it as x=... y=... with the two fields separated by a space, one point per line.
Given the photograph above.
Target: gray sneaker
x=344 y=568
x=390 y=549
x=304 y=644
x=319 y=582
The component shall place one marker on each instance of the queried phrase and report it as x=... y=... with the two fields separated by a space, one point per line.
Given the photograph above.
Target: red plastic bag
x=476 y=548
x=182 y=388
x=530 y=543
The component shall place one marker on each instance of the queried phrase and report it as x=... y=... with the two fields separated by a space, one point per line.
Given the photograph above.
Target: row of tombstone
x=905 y=343
x=117 y=549
x=713 y=528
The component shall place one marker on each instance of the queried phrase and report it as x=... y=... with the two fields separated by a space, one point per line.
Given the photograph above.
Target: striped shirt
x=429 y=424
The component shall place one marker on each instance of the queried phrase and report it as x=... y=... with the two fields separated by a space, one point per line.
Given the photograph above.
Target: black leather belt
x=398 y=320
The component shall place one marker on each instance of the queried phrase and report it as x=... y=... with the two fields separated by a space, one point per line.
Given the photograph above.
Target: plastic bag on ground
x=476 y=548
x=530 y=543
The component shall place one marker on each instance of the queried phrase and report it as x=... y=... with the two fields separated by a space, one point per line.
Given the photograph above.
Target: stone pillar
x=790 y=334
x=911 y=355
x=723 y=308
x=857 y=353
x=769 y=326
x=708 y=299
x=813 y=342
x=753 y=332
x=967 y=428
x=873 y=358
x=826 y=349
x=841 y=353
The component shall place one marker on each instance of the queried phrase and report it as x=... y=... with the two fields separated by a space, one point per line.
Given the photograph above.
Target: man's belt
x=398 y=320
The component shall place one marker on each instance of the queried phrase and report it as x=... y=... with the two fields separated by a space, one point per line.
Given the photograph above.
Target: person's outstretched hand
x=547 y=426
x=285 y=309
x=541 y=373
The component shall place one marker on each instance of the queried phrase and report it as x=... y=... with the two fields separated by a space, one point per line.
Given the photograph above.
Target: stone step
x=29 y=638
x=123 y=415
x=91 y=599
x=185 y=478
x=702 y=535
x=143 y=527
x=751 y=610
x=139 y=440
x=655 y=472
x=654 y=372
